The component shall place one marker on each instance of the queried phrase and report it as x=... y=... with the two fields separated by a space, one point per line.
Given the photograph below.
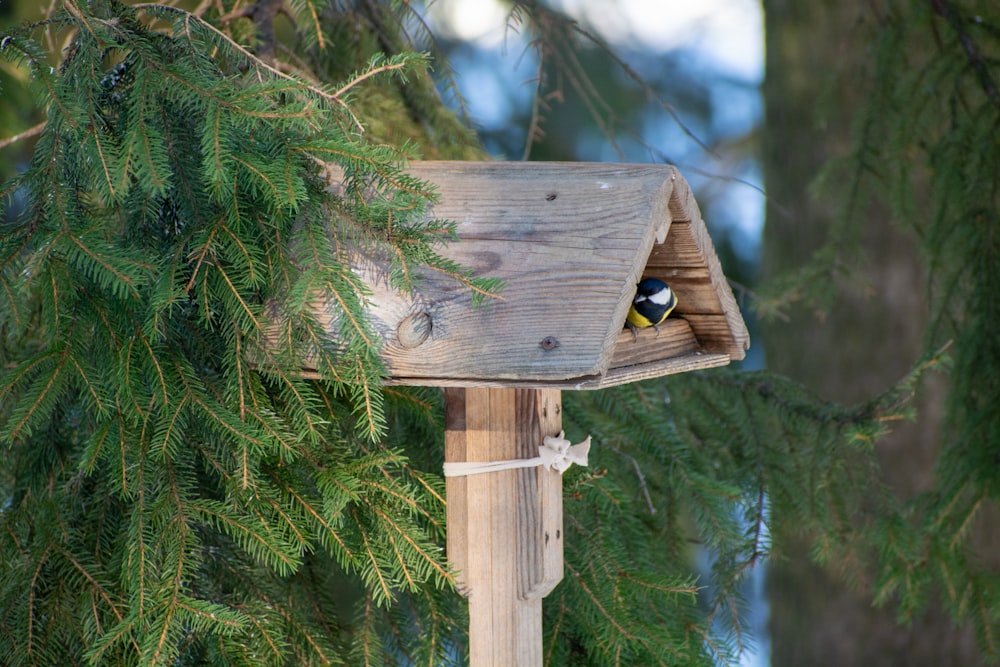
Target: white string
x=556 y=453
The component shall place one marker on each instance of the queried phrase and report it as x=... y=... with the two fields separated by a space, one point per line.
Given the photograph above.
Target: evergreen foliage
x=924 y=148
x=174 y=493
x=172 y=488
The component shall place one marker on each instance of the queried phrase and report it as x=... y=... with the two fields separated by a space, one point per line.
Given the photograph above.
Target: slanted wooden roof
x=571 y=240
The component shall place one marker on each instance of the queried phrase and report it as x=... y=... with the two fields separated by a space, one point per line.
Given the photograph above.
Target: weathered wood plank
x=569 y=239
x=625 y=374
x=683 y=207
x=675 y=339
x=527 y=334
x=540 y=505
x=715 y=334
x=498 y=511
x=678 y=250
x=456 y=488
x=498 y=522
x=614 y=376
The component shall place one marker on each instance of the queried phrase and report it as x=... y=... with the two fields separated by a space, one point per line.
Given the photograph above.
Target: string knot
x=558 y=454
x=555 y=453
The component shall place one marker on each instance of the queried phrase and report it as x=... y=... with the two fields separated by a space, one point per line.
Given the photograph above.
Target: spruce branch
x=610 y=618
x=639 y=475
x=263 y=66
x=374 y=69
x=955 y=19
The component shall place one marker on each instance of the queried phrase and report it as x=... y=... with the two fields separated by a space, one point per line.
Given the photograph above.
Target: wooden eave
x=570 y=240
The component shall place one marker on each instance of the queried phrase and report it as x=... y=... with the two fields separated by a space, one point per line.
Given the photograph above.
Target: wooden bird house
x=570 y=241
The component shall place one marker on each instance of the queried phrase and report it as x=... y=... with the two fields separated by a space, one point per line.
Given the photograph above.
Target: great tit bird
x=652 y=303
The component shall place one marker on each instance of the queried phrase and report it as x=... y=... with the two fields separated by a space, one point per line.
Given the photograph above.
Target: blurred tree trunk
x=868 y=340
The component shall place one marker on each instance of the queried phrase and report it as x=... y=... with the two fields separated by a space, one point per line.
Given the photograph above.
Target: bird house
x=570 y=241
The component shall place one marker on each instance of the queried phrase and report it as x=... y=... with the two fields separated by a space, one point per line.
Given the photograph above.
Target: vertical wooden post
x=504 y=528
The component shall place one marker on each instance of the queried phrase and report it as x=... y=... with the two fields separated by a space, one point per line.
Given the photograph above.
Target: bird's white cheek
x=661 y=298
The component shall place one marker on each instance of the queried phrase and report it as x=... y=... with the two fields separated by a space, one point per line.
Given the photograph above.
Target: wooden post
x=504 y=528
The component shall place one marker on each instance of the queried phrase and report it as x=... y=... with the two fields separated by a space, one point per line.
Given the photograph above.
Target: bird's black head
x=650 y=286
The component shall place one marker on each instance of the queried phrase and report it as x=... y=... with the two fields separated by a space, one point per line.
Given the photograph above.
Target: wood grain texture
x=613 y=377
x=504 y=528
x=686 y=263
x=540 y=509
x=654 y=369
x=676 y=338
x=689 y=246
x=570 y=240
x=456 y=448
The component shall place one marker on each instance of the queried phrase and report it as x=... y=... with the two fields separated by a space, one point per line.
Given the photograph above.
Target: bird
x=652 y=303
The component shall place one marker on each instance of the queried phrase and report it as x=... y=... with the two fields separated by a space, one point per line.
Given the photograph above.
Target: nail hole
x=549 y=343
x=551 y=196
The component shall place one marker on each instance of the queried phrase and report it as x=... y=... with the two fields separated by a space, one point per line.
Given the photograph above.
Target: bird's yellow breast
x=639 y=320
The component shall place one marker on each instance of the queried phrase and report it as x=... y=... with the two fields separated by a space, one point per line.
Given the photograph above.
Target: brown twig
x=30 y=132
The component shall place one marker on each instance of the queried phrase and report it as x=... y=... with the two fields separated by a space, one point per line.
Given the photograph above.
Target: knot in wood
x=414 y=329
